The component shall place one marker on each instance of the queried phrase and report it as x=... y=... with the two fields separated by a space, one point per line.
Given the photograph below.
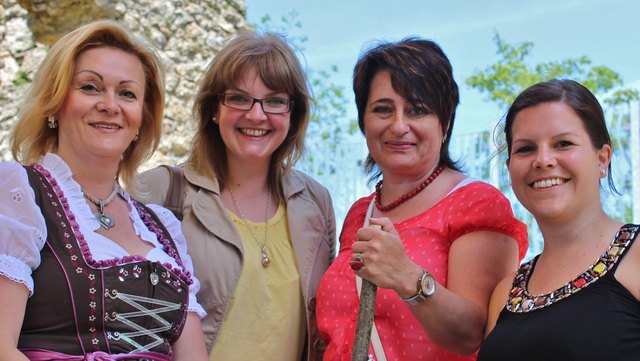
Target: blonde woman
x=86 y=271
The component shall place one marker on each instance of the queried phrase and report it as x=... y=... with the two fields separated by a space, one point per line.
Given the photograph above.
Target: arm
x=331 y=225
x=498 y=301
x=322 y=198
x=453 y=317
x=190 y=346
x=477 y=262
x=22 y=235
x=12 y=307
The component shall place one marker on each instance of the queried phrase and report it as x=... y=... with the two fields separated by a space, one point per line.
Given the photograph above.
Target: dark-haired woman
x=579 y=299
x=445 y=240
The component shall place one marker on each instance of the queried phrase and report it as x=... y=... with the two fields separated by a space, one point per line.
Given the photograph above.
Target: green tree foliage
x=329 y=121
x=511 y=74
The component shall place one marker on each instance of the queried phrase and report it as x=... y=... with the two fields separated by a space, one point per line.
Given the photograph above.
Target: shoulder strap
x=32 y=175
x=624 y=239
x=175 y=193
x=162 y=230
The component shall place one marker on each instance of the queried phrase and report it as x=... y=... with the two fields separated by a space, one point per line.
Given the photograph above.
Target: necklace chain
x=105 y=220
x=263 y=245
x=405 y=197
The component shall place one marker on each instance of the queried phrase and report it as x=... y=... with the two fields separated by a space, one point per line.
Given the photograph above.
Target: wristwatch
x=426 y=289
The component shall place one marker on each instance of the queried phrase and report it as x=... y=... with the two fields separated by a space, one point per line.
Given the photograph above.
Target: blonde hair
x=31 y=137
x=279 y=68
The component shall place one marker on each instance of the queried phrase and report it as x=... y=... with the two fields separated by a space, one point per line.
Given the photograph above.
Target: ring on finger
x=356 y=262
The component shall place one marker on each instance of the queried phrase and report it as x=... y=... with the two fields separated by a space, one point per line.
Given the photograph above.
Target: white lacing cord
x=133 y=300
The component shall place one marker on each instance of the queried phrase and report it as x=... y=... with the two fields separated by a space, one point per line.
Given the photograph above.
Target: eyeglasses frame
x=254 y=101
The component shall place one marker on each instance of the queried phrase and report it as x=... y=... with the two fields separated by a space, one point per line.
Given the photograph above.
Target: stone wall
x=186 y=34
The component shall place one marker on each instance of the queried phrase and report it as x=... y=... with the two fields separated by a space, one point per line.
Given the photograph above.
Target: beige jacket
x=215 y=246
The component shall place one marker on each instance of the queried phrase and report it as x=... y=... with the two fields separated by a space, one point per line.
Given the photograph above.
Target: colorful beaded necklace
x=405 y=197
x=520 y=301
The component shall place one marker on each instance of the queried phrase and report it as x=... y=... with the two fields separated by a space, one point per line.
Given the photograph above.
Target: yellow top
x=265 y=319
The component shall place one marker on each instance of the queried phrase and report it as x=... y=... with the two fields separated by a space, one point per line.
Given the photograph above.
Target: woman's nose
x=399 y=126
x=256 y=112
x=544 y=158
x=108 y=103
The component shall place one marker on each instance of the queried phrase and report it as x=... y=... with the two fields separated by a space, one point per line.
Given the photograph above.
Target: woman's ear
x=604 y=156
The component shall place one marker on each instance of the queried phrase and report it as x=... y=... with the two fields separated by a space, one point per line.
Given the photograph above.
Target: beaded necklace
x=405 y=197
x=521 y=301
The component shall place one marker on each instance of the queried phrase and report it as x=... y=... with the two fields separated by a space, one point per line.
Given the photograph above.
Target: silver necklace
x=105 y=220
x=263 y=245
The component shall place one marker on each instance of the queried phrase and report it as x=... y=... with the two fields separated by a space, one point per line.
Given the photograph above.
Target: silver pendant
x=105 y=220
x=153 y=277
x=265 y=258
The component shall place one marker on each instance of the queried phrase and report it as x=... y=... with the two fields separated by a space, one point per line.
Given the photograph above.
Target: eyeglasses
x=269 y=105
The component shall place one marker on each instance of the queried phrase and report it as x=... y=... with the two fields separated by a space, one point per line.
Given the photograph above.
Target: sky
x=608 y=32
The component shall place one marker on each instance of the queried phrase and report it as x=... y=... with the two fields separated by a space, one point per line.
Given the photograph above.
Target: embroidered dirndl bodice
x=81 y=306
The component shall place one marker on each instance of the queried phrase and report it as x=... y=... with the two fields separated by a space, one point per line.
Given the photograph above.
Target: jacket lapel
x=206 y=204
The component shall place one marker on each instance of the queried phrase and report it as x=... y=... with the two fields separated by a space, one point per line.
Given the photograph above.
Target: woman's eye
x=564 y=143
x=88 y=87
x=523 y=149
x=382 y=110
x=418 y=112
x=276 y=101
x=237 y=98
x=128 y=94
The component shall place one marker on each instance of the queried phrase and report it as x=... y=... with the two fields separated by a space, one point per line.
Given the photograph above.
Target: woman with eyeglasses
x=260 y=233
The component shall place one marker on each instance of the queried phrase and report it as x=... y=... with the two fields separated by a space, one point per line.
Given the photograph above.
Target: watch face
x=428 y=285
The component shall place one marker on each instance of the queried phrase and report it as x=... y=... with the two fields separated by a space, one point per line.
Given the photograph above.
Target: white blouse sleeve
x=173 y=226
x=23 y=230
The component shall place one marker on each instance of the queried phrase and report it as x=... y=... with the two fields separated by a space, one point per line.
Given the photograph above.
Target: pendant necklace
x=105 y=220
x=263 y=245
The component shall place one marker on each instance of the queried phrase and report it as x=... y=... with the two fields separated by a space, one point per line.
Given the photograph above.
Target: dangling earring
x=444 y=139
x=137 y=135
x=53 y=122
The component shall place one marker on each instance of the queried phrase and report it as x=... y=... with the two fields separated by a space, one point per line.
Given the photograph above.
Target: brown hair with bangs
x=280 y=70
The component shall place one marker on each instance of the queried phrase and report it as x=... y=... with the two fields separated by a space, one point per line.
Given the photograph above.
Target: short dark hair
x=420 y=72
x=578 y=98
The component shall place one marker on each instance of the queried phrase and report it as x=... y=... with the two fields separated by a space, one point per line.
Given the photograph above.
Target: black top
x=598 y=321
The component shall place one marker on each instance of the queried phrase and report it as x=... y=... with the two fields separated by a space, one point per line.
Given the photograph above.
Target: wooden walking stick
x=367 y=292
x=365 y=322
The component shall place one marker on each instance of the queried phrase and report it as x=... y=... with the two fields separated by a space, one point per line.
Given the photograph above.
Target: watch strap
x=420 y=295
